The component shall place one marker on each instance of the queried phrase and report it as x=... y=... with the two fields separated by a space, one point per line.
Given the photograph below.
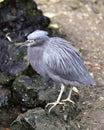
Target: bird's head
x=35 y=38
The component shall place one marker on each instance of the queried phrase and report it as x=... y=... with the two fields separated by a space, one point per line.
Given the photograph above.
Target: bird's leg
x=58 y=99
x=68 y=99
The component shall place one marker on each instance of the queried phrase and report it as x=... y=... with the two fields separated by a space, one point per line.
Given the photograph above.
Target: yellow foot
x=53 y=105
x=68 y=100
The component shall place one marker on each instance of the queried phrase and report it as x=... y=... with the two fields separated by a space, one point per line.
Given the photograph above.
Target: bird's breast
x=35 y=55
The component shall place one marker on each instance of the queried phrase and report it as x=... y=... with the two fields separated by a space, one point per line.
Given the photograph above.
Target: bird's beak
x=22 y=44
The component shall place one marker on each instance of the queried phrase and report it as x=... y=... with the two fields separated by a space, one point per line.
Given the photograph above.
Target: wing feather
x=64 y=61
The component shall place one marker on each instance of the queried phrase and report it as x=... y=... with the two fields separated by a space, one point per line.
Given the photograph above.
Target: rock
x=7 y=115
x=5 y=79
x=34 y=91
x=31 y=92
x=18 y=60
x=13 y=61
x=3 y=55
x=18 y=19
x=24 y=92
x=5 y=95
x=21 y=15
x=37 y=119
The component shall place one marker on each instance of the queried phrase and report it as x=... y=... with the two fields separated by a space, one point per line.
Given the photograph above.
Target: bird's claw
x=53 y=105
x=68 y=100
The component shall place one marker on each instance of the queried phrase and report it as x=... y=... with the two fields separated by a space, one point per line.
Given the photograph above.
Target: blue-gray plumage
x=57 y=59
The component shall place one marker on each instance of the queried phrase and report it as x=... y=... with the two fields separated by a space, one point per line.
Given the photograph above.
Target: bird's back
x=64 y=64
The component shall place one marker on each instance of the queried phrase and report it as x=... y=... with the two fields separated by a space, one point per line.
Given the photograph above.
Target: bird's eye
x=31 y=41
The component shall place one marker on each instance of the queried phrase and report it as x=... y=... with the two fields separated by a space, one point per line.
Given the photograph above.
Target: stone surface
x=31 y=92
x=5 y=95
x=38 y=119
x=34 y=91
x=24 y=91
x=13 y=61
x=17 y=19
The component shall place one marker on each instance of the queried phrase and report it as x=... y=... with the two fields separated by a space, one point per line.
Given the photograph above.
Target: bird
x=58 y=59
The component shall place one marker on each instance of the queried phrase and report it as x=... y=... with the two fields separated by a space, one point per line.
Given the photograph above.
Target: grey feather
x=64 y=61
x=57 y=59
x=37 y=34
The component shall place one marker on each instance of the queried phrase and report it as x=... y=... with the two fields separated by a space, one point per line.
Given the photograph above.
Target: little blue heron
x=56 y=58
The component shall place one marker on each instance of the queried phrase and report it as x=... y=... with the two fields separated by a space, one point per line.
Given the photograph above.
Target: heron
x=58 y=59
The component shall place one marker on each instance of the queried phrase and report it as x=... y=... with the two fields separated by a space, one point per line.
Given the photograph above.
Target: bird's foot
x=68 y=100
x=53 y=105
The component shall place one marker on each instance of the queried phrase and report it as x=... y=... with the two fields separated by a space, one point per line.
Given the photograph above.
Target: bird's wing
x=63 y=60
